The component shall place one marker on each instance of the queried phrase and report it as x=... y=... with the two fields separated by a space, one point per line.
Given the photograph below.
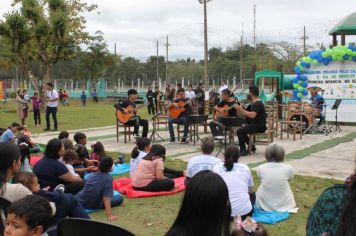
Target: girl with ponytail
x=143 y=146
x=239 y=182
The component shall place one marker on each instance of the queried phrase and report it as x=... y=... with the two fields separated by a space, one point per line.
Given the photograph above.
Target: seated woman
x=274 y=193
x=239 y=182
x=51 y=172
x=143 y=146
x=334 y=213
x=149 y=173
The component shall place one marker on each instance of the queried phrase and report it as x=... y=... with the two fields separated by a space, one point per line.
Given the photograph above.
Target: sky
x=136 y=25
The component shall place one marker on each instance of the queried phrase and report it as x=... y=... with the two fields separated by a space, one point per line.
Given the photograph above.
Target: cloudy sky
x=135 y=25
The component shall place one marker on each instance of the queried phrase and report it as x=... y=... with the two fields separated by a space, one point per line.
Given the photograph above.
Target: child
x=83 y=97
x=98 y=191
x=36 y=105
x=83 y=154
x=143 y=146
x=63 y=135
x=9 y=135
x=98 y=151
x=69 y=158
x=29 y=216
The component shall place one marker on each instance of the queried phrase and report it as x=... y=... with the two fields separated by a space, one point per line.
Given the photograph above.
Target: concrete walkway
x=337 y=162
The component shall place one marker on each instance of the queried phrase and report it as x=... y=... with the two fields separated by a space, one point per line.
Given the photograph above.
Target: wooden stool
x=127 y=131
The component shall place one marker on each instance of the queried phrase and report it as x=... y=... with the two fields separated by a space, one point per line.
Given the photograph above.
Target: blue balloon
x=326 y=62
x=345 y=57
x=320 y=59
x=297 y=70
x=295 y=91
x=305 y=92
x=354 y=59
x=305 y=84
x=304 y=78
x=303 y=63
x=307 y=65
x=295 y=80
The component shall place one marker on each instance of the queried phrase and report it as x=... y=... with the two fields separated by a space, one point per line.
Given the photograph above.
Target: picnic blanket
x=119 y=169
x=123 y=185
x=34 y=159
x=116 y=193
x=269 y=217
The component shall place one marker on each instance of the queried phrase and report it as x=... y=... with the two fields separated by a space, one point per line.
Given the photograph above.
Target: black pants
x=137 y=122
x=151 y=107
x=216 y=129
x=73 y=188
x=171 y=173
x=84 y=102
x=37 y=116
x=158 y=186
x=95 y=99
x=156 y=106
x=53 y=111
x=248 y=129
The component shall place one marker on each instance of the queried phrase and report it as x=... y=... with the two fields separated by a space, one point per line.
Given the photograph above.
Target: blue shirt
x=317 y=101
x=97 y=186
x=48 y=171
x=83 y=97
x=7 y=136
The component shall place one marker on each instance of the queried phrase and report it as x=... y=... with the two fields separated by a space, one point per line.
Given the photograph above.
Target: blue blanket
x=116 y=193
x=269 y=217
x=119 y=169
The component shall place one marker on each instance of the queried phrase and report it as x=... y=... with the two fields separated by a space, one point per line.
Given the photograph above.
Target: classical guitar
x=125 y=117
x=223 y=111
x=174 y=112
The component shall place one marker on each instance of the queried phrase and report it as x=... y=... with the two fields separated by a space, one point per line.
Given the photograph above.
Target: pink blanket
x=123 y=185
x=34 y=160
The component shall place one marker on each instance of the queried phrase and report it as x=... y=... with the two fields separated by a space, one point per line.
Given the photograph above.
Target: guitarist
x=182 y=119
x=228 y=101
x=135 y=120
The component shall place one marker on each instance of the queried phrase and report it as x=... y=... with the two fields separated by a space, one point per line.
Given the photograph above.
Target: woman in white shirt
x=143 y=146
x=239 y=181
x=274 y=193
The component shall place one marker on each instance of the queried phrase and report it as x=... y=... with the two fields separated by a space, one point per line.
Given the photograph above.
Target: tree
x=45 y=31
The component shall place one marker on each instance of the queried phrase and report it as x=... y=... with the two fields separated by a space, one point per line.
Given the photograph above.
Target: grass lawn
x=154 y=216
x=74 y=116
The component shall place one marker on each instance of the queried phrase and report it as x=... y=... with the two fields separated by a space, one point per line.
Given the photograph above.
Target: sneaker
x=218 y=137
x=173 y=140
x=183 y=140
x=59 y=188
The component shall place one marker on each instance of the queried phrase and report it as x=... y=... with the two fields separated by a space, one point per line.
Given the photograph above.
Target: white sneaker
x=218 y=137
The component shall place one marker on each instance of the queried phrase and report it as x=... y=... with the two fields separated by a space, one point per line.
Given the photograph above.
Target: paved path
x=337 y=162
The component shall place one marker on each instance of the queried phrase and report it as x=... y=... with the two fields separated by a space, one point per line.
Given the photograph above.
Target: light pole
x=206 y=80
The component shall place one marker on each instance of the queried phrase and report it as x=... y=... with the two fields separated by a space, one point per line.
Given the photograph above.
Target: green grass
x=74 y=116
x=154 y=216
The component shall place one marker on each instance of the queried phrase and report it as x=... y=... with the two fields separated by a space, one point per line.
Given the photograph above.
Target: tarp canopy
x=346 y=26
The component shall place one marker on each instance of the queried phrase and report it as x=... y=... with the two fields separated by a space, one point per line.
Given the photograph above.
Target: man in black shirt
x=200 y=97
x=135 y=120
x=150 y=104
x=256 y=118
x=226 y=100
x=182 y=119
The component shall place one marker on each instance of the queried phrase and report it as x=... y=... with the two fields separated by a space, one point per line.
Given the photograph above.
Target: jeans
x=115 y=201
x=158 y=186
x=215 y=128
x=248 y=129
x=137 y=122
x=322 y=118
x=37 y=116
x=181 y=121
x=53 y=111
x=35 y=149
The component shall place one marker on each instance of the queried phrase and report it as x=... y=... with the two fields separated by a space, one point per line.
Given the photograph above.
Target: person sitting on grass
x=149 y=174
x=239 y=182
x=66 y=204
x=143 y=146
x=274 y=193
x=63 y=135
x=23 y=138
x=206 y=161
x=29 y=216
x=85 y=164
x=68 y=144
x=98 y=190
x=98 y=151
x=51 y=172
x=9 y=135
x=69 y=158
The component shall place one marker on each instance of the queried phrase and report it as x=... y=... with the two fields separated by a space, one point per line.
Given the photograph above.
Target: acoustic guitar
x=222 y=112
x=174 y=112
x=123 y=117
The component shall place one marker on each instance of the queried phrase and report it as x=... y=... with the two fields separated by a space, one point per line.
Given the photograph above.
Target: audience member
x=84 y=164
x=63 y=135
x=23 y=138
x=149 y=173
x=98 y=151
x=203 y=162
x=98 y=190
x=30 y=216
x=51 y=172
x=68 y=144
x=239 y=182
x=143 y=146
x=274 y=193
x=36 y=106
x=69 y=158
x=9 y=135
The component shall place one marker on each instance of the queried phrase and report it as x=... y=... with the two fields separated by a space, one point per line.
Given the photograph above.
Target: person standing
x=190 y=93
x=36 y=105
x=83 y=97
x=52 y=104
x=95 y=96
x=158 y=96
x=22 y=107
x=150 y=104
x=200 y=96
